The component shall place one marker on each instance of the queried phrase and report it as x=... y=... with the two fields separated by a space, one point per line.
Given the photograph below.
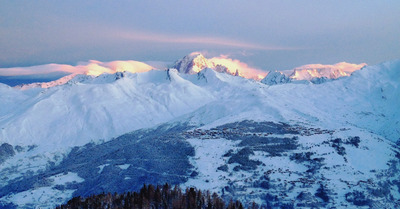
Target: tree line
x=157 y=197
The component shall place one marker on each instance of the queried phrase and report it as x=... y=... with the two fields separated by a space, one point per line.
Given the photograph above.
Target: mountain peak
x=308 y=72
x=275 y=77
x=193 y=63
x=314 y=73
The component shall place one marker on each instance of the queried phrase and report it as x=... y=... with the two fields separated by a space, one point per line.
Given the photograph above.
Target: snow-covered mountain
x=192 y=64
x=327 y=145
x=314 y=73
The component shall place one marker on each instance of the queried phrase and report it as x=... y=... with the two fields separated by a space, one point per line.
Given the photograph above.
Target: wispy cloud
x=196 y=40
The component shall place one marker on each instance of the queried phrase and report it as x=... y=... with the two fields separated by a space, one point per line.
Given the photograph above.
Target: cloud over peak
x=93 y=67
x=242 y=68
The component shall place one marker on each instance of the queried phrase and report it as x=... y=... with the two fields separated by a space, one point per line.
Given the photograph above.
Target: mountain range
x=297 y=143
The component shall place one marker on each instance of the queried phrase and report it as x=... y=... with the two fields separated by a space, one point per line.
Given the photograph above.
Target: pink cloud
x=204 y=40
x=92 y=67
x=243 y=69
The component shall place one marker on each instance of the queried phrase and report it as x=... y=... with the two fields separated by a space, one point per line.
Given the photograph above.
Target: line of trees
x=157 y=197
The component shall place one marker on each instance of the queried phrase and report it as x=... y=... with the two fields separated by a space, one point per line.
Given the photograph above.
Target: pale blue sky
x=270 y=35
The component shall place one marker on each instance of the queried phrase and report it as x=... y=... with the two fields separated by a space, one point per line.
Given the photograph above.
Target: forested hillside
x=154 y=197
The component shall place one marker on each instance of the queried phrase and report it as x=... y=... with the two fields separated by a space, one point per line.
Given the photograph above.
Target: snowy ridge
x=123 y=102
x=44 y=85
